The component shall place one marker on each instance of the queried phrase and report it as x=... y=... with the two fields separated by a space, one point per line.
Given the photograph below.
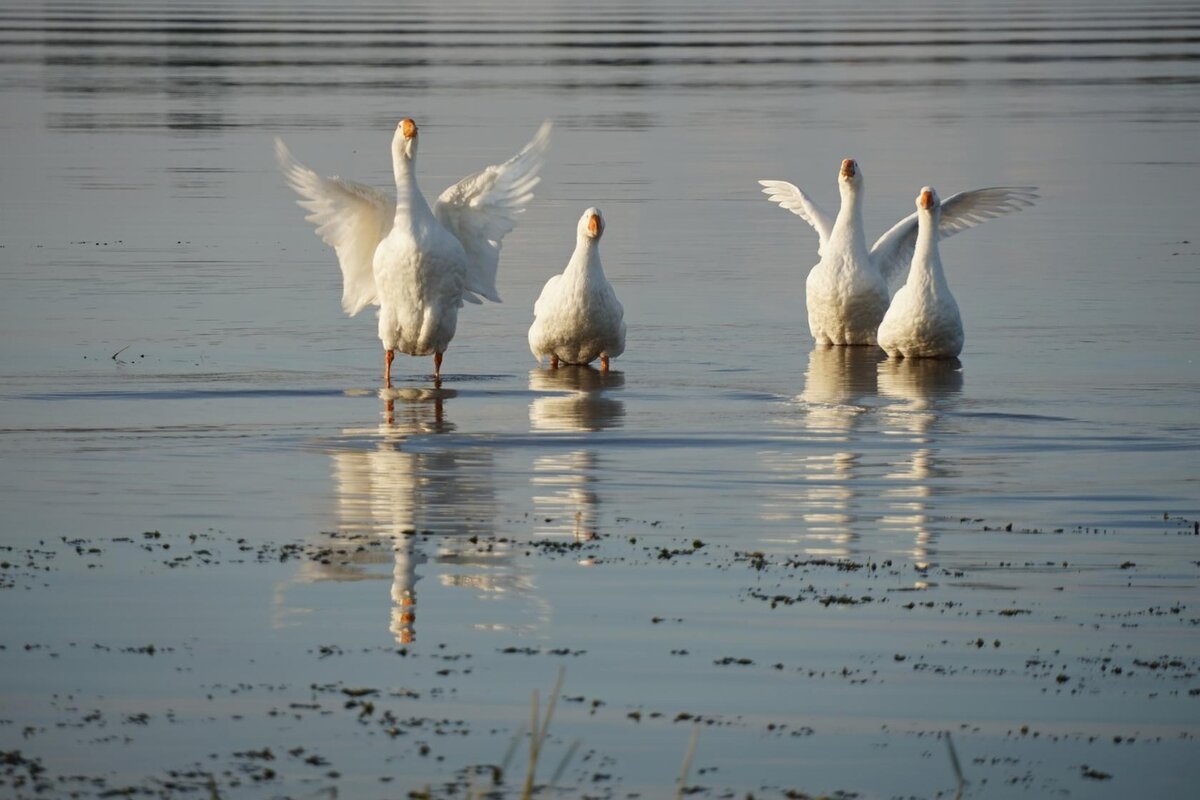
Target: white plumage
x=847 y=291
x=577 y=317
x=419 y=265
x=923 y=319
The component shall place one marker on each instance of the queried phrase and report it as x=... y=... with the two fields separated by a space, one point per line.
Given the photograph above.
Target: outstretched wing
x=480 y=209
x=893 y=252
x=350 y=217
x=790 y=196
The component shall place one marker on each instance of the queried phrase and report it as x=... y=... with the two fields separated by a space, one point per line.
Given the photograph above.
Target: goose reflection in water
x=921 y=390
x=563 y=481
x=395 y=484
x=817 y=485
x=579 y=401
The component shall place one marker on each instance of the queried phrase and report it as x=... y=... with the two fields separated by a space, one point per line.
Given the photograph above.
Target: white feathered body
x=577 y=317
x=923 y=320
x=420 y=272
x=845 y=294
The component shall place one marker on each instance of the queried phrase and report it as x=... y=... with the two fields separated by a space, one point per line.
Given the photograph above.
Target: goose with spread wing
x=848 y=291
x=418 y=264
x=923 y=319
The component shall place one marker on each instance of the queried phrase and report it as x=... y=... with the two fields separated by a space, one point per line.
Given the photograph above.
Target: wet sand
x=398 y=647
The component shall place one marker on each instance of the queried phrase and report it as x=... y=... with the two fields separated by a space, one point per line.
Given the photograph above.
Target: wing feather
x=791 y=197
x=892 y=253
x=349 y=217
x=480 y=209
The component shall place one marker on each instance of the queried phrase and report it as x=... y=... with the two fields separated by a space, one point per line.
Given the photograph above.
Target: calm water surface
x=173 y=360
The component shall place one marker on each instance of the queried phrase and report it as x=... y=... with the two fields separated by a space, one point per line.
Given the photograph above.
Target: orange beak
x=408 y=128
x=849 y=168
x=593 y=225
x=926 y=200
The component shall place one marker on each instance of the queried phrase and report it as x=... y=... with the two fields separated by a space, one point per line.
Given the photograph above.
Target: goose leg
x=604 y=363
x=388 y=355
x=553 y=362
x=437 y=369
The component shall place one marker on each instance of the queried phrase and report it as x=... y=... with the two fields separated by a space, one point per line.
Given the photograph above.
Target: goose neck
x=409 y=200
x=927 y=262
x=848 y=229
x=585 y=262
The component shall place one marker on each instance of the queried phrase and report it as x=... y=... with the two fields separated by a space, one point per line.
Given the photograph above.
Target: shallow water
x=195 y=455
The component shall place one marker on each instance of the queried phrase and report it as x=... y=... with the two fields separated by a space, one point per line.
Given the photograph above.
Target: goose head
x=404 y=142
x=591 y=225
x=928 y=202
x=850 y=178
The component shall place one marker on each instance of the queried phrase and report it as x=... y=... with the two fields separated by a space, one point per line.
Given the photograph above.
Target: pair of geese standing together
x=419 y=265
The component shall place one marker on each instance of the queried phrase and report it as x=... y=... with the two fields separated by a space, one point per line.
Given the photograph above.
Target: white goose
x=847 y=291
x=418 y=265
x=577 y=318
x=923 y=320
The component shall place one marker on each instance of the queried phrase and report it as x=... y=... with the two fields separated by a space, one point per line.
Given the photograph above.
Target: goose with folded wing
x=577 y=318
